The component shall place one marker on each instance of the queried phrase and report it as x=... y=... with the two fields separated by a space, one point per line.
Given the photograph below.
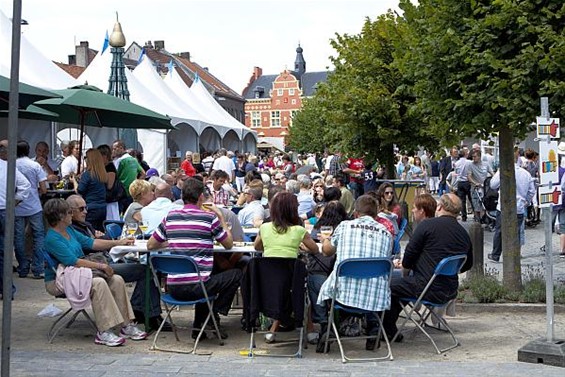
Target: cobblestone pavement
x=490 y=337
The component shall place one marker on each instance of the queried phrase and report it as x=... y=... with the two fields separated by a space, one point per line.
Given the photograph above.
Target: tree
x=480 y=67
x=363 y=107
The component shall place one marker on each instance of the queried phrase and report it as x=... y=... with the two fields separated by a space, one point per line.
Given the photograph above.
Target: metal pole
x=11 y=188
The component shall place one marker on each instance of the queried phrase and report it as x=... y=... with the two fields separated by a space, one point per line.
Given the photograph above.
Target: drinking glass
x=131 y=229
x=326 y=230
x=143 y=226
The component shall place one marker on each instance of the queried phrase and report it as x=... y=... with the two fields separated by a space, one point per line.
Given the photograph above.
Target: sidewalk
x=490 y=337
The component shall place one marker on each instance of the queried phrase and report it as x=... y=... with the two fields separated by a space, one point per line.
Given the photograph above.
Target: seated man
x=130 y=272
x=433 y=240
x=220 y=193
x=253 y=214
x=362 y=237
x=153 y=213
x=191 y=231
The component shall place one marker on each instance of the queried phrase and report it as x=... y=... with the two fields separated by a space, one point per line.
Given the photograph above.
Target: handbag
x=116 y=193
x=98 y=258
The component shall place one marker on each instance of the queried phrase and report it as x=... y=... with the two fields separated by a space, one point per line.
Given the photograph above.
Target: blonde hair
x=95 y=165
x=138 y=188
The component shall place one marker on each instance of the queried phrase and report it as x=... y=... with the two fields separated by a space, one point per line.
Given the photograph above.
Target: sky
x=230 y=37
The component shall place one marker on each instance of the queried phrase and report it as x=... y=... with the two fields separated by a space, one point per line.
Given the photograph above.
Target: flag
x=106 y=43
x=141 y=55
x=196 y=77
x=171 y=66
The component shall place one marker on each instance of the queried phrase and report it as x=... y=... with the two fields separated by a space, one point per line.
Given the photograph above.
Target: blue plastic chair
x=449 y=266
x=180 y=264
x=113 y=230
x=360 y=268
x=54 y=330
x=401 y=229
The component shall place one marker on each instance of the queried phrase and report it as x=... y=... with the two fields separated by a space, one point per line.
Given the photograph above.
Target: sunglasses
x=389 y=193
x=81 y=209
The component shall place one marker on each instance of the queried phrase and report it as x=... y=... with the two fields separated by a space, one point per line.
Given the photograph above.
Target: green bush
x=486 y=289
x=559 y=294
x=534 y=290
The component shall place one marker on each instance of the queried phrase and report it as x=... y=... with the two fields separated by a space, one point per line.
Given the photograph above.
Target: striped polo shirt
x=191 y=231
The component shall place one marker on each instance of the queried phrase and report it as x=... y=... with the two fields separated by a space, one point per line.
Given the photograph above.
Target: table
x=51 y=194
x=140 y=246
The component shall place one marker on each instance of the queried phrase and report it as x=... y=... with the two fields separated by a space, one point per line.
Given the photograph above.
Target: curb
x=508 y=308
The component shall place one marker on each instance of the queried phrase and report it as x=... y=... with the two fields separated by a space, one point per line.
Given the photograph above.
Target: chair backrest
x=49 y=260
x=365 y=268
x=174 y=264
x=450 y=266
x=114 y=231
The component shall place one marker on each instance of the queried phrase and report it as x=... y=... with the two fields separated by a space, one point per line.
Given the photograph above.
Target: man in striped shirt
x=191 y=231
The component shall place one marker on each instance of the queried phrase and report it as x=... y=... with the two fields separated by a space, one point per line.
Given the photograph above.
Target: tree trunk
x=512 y=271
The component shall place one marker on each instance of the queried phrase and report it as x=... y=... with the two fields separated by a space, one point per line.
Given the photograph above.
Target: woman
x=142 y=193
x=387 y=193
x=110 y=302
x=92 y=187
x=282 y=237
x=112 y=208
x=318 y=190
x=416 y=170
x=320 y=266
x=240 y=172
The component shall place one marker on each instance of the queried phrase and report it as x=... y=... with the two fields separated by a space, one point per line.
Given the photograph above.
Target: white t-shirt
x=224 y=163
x=69 y=165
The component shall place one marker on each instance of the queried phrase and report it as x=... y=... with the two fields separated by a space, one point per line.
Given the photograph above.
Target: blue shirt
x=35 y=174
x=64 y=251
x=92 y=190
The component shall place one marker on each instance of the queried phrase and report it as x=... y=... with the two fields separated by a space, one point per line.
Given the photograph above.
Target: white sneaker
x=109 y=339
x=133 y=332
x=313 y=337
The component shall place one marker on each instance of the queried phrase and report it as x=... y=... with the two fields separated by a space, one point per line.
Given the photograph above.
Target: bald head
x=75 y=200
x=449 y=204
x=163 y=190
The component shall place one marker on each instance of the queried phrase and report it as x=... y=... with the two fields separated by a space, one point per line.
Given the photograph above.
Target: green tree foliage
x=363 y=107
x=479 y=67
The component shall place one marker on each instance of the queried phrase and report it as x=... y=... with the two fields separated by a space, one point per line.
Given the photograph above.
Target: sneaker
x=133 y=332
x=38 y=276
x=109 y=339
x=270 y=337
x=562 y=255
x=313 y=337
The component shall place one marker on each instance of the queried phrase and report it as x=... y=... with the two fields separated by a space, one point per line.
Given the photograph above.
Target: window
x=255 y=119
x=279 y=92
x=285 y=100
x=293 y=101
x=275 y=118
x=291 y=92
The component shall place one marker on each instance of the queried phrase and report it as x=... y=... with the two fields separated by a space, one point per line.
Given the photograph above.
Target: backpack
x=490 y=199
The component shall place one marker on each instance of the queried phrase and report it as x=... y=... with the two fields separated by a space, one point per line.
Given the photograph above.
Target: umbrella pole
x=82 y=116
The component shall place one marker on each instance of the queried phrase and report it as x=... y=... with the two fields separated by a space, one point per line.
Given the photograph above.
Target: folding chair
x=401 y=230
x=360 y=268
x=180 y=264
x=449 y=266
x=54 y=329
x=275 y=287
x=113 y=230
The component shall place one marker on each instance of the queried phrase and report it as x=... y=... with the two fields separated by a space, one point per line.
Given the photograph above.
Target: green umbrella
x=34 y=113
x=28 y=94
x=88 y=106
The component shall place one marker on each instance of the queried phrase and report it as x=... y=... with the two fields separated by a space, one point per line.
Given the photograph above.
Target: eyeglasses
x=81 y=209
x=389 y=192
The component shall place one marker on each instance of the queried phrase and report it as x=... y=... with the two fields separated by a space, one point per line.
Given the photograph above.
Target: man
x=355 y=167
x=69 y=166
x=433 y=240
x=306 y=201
x=23 y=191
x=128 y=170
x=478 y=173
x=153 y=213
x=64 y=153
x=253 y=214
x=30 y=212
x=192 y=231
x=187 y=166
x=445 y=167
x=346 y=196
x=131 y=272
x=226 y=164
x=362 y=237
x=220 y=194
x=463 y=185
x=44 y=160
x=525 y=191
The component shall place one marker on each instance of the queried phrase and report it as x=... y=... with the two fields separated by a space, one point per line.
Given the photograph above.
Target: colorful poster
x=548 y=127
x=549 y=172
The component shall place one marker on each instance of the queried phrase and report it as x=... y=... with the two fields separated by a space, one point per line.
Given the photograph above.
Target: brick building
x=273 y=100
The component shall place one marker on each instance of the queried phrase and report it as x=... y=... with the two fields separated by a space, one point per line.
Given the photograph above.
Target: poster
x=549 y=172
x=548 y=127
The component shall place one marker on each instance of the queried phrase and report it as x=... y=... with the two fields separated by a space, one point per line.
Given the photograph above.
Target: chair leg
x=51 y=334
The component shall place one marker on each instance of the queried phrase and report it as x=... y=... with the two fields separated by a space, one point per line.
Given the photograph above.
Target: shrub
x=486 y=289
x=534 y=290
x=559 y=294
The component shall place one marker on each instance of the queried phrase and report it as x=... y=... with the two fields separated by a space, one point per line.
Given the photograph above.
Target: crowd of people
x=291 y=200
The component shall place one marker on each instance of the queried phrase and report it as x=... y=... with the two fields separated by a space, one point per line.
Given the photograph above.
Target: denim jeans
x=36 y=224
x=497 y=239
x=356 y=189
x=319 y=312
x=2 y=231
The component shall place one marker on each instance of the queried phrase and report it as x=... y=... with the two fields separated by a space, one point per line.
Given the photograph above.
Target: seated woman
x=110 y=302
x=142 y=193
x=320 y=266
x=386 y=191
x=282 y=237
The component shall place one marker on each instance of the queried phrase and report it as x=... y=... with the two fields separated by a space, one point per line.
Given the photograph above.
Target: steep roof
x=265 y=82
x=73 y=70
x=308 y=83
